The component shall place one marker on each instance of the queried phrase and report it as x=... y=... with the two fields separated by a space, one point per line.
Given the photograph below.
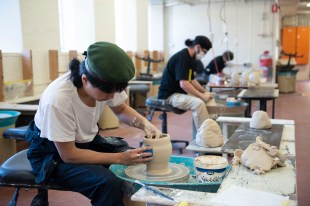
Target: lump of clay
x=234 y=79
x=211 y=102
x=254 y=79
x=245 y=76
x=209 y=134
x=260 y=120
x=259 y=157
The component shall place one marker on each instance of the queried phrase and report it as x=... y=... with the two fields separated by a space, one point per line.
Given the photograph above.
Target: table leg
x=248 y=109
x=263 y=105
x=273 y=107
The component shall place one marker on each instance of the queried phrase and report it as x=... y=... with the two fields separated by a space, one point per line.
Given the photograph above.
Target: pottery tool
x=155 y=191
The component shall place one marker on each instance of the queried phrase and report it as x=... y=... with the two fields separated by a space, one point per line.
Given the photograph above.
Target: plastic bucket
x=7 y=146
x=287 y=81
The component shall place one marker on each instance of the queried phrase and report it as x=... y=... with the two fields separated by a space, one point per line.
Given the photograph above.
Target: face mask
x=200 y=55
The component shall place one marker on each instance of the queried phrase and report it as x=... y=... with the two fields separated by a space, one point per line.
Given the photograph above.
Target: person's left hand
x=151 y=131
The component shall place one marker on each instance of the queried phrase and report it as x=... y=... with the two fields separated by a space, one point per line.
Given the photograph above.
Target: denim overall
x=96 y=182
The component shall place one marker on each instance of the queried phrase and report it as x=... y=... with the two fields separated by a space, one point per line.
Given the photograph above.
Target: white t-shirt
x=63 y=117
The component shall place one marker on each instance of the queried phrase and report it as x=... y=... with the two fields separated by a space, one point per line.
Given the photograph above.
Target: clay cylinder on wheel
x=162 y=150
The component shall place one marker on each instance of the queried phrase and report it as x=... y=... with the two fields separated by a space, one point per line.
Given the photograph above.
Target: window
x=10 y=30
x=76 y=20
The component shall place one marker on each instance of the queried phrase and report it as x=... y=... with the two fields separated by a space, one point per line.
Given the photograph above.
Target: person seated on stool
x=178 y=85
x=217 y=65
x=65 y=146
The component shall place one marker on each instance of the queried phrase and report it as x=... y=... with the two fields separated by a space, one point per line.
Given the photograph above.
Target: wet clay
x=162 y=150
x=259 y=157
x=260 y=120
x=209 y=134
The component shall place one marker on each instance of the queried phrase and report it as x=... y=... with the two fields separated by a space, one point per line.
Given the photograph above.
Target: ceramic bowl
x=210 y=168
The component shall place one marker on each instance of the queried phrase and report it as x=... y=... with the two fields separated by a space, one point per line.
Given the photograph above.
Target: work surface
x=279 y=181
x=244 y=136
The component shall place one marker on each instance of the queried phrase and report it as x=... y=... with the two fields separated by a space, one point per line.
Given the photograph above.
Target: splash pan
x=177 y=173
x=190 y=184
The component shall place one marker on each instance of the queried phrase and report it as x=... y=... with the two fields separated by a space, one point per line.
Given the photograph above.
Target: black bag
x=109 y=144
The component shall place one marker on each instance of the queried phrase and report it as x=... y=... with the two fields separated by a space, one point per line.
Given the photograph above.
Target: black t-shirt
x=211 y=68
x=179 y=67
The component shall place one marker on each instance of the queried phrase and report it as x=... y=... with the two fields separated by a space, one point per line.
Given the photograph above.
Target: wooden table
x=262 y=95
x=213 y=85
x=281 y=181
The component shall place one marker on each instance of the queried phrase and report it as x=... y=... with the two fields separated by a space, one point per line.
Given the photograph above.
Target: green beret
x=109 y=62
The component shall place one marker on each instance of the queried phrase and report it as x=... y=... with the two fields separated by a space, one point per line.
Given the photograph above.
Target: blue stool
x=155 y=104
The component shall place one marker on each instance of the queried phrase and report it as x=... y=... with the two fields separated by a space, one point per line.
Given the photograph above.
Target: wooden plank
x=287 y=146
x=53 y=64
x=209 y=150
x=281 y=180
x=192 y=197
x=27 y=69
x=72 y=54
x=1 y=78
x=228 y=120
x=258 y=92
x=244 y=135
x=27 y=64
x=146 y=54
x=26 y=109
x=155 y=55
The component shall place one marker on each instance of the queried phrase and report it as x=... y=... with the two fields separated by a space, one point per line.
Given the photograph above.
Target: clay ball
x=260 y=120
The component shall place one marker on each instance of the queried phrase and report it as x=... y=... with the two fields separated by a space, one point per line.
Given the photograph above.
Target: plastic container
x=287 y=81
x=232 y=101
x=7 y=146
x=210 y=168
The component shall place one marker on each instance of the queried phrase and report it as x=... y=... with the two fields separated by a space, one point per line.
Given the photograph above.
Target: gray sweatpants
x=194 y=104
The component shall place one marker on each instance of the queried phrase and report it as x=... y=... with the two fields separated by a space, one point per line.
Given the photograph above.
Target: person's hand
x=221 y=74
x=206 y=96
x=136 y=156
x=151 y=131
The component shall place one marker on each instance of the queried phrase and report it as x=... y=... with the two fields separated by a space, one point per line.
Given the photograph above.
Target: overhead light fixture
x=308 y=4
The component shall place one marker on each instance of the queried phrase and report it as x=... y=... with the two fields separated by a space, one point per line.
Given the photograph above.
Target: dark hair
x=77 y=69
x=203 y=41
x=228 y=55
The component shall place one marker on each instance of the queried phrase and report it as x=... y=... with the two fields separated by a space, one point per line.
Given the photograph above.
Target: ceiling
x=287 y=7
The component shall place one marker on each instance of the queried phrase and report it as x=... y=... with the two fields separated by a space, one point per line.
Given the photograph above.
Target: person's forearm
x=190 y=89
x=130 y=116
x=198 y=86
x=75 y=155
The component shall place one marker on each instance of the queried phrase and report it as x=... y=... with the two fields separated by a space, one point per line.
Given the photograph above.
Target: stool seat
x=17 y=171
x=156 y=104
x=139 y=88
x=17 y=133
x=161 y=105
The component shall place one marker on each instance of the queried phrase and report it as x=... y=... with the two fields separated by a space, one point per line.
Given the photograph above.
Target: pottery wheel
x=179 y=173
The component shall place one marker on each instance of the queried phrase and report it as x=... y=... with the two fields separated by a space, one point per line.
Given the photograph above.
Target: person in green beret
x=65 y=146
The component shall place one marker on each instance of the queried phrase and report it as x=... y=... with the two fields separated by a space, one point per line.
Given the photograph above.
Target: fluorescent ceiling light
x=308 y=4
